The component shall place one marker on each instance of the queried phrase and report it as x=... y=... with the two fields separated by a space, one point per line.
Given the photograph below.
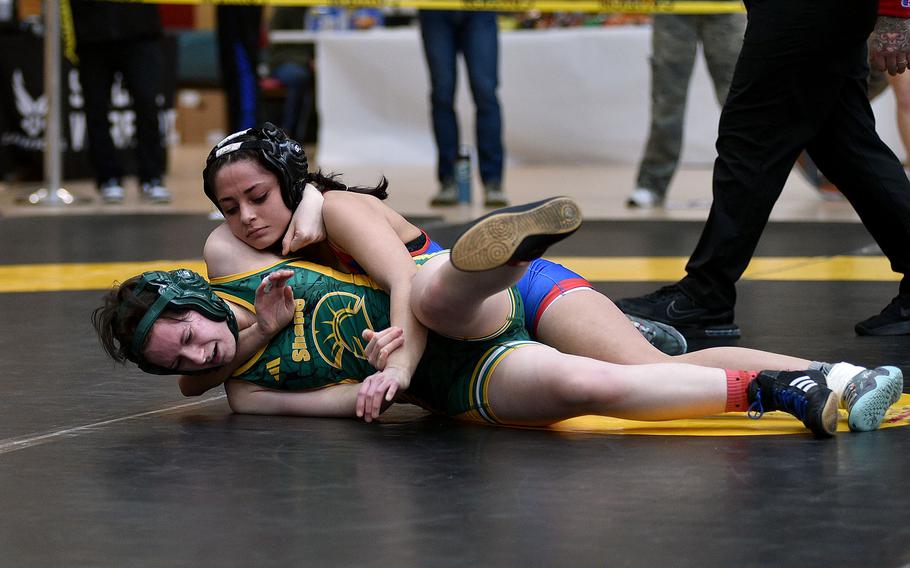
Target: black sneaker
x=893 y=320
x=804 y=394
x=515 y=234
x=670 y=305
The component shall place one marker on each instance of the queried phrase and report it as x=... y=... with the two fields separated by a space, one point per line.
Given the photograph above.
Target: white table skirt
x=569 y=96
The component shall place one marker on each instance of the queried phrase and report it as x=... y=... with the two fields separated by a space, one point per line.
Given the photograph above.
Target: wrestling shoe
x=803 y=394
x=448 y=195
x=515 y=234
x=893 y=320
x=660 y=335
x=867 y=394
x=670 y=305
x=111 y=191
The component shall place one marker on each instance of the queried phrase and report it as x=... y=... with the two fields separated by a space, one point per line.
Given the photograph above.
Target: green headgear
x=177 y=289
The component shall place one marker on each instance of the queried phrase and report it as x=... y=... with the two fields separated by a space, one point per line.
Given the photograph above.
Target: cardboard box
x=201 y=116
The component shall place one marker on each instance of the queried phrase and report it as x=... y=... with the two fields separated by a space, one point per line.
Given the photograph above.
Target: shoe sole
x=897 y=328
x=828 y=421
x=517 y=233
x=729 y=331
x=869 y=410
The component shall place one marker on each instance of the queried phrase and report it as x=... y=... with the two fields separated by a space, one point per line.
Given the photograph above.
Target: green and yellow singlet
x=324 y=346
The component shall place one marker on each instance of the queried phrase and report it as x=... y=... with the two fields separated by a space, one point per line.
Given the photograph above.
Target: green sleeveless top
x=323 y=345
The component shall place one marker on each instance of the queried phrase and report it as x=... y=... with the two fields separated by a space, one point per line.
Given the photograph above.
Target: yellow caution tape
x=68 y=32
x=596 y=6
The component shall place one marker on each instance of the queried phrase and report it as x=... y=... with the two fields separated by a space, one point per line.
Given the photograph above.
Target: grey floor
x=104 y=466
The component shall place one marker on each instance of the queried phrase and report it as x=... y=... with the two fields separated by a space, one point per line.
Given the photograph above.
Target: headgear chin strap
x=284 y=157
x=177 y=289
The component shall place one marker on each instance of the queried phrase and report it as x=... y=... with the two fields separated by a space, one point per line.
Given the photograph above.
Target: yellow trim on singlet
x=236 y=300
x=252 y=361
x=357 y=279
x=512 y=314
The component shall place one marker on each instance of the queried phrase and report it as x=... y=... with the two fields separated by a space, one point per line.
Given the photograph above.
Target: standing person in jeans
x=674 y=42
x=476 y=36
x=112 y=37
x=800 y=82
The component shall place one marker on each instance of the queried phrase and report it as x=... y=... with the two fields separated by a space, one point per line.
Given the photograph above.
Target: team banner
x=23 y=109
x=596 y=6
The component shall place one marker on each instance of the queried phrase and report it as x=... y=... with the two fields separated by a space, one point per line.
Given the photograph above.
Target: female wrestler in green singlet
x=493 y=373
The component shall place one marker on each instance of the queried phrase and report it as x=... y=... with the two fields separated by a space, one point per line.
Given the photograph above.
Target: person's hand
x=381 y=344
x=378 y=391
x=274 y=302
x=306 y=226
x=889 y=45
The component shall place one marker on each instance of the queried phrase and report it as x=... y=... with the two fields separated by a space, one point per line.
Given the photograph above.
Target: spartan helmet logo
x=338 y=321
x=32 y=110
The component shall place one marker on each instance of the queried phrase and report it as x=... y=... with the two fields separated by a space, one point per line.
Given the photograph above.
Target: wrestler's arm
x=359 y=227
x=306 y=226
x=336 y=401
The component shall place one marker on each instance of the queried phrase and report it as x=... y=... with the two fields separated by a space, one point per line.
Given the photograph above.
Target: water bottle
x=463 y=174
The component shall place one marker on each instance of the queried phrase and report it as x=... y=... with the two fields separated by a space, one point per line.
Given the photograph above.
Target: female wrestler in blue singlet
x=260 y=181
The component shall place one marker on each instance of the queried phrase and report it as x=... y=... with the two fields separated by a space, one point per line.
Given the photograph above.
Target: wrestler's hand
x=274 y=302
x=378 y=391
x=889 y=45
x=380 y=345
x=306 y=225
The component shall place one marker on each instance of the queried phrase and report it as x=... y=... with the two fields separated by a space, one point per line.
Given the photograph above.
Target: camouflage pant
x=674 y=42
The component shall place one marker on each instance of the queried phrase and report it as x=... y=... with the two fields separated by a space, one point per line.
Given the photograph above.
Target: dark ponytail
x=330 y=182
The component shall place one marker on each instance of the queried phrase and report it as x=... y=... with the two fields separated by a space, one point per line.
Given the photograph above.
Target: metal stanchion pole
x=53 y=194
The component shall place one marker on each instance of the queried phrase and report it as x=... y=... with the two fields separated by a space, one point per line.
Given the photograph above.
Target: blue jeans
x=298 y=102
x=475 y=35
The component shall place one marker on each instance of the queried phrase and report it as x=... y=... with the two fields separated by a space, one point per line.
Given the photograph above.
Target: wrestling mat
x=733 y=424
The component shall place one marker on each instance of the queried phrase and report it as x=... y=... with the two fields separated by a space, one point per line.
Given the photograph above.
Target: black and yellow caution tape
x=595 y=6
x=68 y=32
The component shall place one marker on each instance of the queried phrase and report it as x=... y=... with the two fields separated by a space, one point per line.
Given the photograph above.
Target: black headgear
x=180 y=289
x=284 y=157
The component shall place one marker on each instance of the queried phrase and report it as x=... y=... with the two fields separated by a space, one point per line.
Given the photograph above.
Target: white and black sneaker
x=111 y=191
x=154 y=191
x=867 y=393
x=643 y=198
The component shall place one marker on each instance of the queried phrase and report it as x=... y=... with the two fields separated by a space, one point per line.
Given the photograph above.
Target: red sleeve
x=896 y=8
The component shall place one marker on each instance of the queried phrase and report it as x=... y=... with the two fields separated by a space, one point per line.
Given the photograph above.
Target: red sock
x=738 y=390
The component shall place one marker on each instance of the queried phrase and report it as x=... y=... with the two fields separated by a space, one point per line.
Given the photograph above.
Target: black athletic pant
x=238 y=52
x=142 y=64
x=800 y=82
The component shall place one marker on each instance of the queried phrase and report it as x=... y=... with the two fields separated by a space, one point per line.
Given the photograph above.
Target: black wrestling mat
x=105 y=466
